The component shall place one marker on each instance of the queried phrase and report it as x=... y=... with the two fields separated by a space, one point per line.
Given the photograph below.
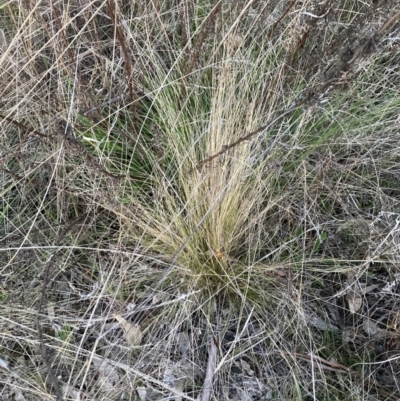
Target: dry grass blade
x=3 y=41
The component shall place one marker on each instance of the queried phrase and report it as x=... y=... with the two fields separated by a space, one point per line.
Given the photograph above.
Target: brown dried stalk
x=207 y=25
x=71 y=140
x=61 y=31
x=212 y=361
x=388 y=24
x=301 y=42
x=248 y=136
x=286 y=12
x=127 y=59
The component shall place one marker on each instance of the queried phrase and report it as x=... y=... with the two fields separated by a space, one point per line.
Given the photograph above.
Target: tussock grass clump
x=199 y=200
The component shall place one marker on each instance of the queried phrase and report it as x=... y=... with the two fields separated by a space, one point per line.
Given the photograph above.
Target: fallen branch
x=212 y=361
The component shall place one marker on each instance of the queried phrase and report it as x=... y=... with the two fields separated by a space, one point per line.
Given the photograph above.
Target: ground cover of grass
x=199 y=200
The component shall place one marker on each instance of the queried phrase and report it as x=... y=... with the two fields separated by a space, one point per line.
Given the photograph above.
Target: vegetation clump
x=199 y=200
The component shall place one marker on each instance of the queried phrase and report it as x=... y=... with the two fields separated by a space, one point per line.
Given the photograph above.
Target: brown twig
x=285 y=13
x=25 y=128
x=127 y=60
x=388 y=24
x=61 y=31
x=195 y=54
x=249 y=136
x=208 y=23
x=325 y=364
x=301 y=42
x=71 y=140
x=212 y=361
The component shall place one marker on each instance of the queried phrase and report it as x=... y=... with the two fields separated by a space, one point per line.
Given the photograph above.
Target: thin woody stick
x=247 y=137
x=212 y=361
